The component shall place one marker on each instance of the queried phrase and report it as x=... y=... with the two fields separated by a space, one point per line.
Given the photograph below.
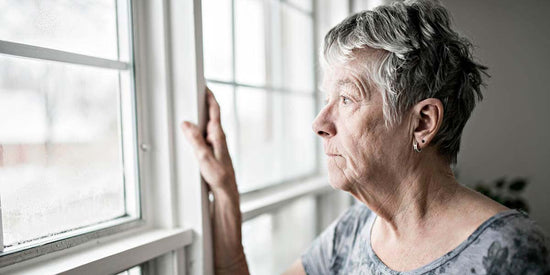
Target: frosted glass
x=260 y=152
x=297 y=50
x=250 y=42
x=305 y=5
x=216 y=18
x=86 y=27
x=60 y=147
x=272 y=242
x=299 y=141
x=276 y=140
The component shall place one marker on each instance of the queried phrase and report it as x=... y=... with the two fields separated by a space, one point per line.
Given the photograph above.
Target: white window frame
x=174 y=233
x=174 y=226
x=74 y=237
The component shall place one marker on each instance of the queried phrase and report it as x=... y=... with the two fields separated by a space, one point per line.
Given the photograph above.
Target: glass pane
x=225 y=97
x=136 y=270
x=249 y=42
x=304 y=5
x=298 y=150
x=276 y=140
x=298 y=51
x=86 y=27
x=260 y=155
x=216 y=18
x=271 y=241
x=61 y=159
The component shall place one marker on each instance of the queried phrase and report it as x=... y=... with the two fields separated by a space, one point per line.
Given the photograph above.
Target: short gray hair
x=422 y=57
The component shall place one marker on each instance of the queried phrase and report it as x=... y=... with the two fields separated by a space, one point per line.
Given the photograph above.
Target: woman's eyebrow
x=347 y=82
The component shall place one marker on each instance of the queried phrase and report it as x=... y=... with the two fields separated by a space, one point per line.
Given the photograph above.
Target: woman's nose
x=322 y=125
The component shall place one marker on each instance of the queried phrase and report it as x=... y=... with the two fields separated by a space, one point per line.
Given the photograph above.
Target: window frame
x=268 y=88
x=174 y=235
x=162 y=234
x=73 y=237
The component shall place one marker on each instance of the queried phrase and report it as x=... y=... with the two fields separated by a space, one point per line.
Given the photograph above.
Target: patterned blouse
x=507 y=243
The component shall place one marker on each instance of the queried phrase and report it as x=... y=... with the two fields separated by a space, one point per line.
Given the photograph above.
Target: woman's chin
x=339 y=182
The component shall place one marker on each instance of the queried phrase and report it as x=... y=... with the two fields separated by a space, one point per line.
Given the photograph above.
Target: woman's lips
x=333 y=155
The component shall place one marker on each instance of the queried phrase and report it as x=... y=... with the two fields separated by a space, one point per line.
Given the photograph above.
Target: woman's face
x=360 y=148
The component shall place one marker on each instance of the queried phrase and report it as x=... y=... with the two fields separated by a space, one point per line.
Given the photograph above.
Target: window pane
x=276 y=140
x=61 y=159
x=217 y=39
x=272 y=242
x=298 y=148
x=249 y=42
x=260 y=155
x=298 y=51
x=305 y=5
x=86 y=27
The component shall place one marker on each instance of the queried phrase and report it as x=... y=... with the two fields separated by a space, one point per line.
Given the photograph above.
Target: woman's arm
x=217 y=170
x=297 y=268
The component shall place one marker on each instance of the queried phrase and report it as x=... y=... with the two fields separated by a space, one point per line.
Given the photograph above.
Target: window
x=68 y=141
x=91 y=97
x=259 y=63
x=259 y=60
x=272 y=242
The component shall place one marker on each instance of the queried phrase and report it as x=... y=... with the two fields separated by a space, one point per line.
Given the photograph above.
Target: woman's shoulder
x=511 y=241
x=511 y=226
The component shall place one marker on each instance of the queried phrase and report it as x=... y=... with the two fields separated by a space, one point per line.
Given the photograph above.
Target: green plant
x=505 y=192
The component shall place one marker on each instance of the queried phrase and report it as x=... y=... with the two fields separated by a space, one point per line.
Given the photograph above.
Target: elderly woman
x=400 y=86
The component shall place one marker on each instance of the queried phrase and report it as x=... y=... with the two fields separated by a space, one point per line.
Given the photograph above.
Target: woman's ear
x=428 y=116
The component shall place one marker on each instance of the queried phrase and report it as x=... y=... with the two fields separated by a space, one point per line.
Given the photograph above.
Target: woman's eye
x=345 y=100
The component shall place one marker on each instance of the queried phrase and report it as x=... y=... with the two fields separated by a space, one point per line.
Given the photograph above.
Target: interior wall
x=508 y=134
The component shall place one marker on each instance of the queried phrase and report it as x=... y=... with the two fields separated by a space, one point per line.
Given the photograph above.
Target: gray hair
x=422 y=57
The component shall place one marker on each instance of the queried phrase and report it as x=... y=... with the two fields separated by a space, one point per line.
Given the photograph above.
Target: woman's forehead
x=339 y=75
x=349 y=76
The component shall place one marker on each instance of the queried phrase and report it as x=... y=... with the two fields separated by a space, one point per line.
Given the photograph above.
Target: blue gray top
x=507 y=243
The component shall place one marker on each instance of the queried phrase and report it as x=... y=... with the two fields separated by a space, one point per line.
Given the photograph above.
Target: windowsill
x=263 y=201
x=107 y=257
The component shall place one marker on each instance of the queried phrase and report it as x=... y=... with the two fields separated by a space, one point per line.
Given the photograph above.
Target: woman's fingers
x=214 y=160
x=213 y=107
x=215 y=134
x=194 y=136
x=215 y=172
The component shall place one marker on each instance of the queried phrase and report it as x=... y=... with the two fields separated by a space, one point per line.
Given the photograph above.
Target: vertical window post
x=1 y=226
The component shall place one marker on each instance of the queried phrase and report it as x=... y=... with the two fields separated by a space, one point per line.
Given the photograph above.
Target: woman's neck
x=408 y=203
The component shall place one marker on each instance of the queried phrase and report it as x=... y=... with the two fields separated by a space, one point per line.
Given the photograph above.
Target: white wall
x=509 y=132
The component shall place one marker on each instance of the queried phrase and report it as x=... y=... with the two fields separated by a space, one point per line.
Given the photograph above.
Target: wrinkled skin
x=352 y=126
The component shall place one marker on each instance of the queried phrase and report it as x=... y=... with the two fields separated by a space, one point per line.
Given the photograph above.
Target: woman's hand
x=212 y=153
x=217 y=170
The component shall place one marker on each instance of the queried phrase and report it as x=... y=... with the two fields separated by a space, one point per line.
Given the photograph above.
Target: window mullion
x=36 y=52
x=234 y=80
x=316 y=77
x=1 y=225
x=187 y=88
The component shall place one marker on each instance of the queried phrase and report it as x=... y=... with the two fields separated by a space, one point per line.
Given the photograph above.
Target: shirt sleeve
x=330 y=250
x=317 y=258
x=522 y=248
